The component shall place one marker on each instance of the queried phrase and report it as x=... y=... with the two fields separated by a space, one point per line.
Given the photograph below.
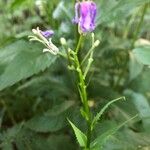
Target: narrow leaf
x=81 y=137
x=100 y=140
x=98 y=116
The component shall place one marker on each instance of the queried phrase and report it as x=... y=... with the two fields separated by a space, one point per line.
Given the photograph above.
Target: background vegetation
x=38 y=93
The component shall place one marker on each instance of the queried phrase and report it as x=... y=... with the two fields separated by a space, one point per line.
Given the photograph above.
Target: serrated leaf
x=81 y=137
x=143 y=54
x=98 y=116
x=21 y=60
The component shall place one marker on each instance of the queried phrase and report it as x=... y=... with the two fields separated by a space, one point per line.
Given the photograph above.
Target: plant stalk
x=83 y=93
x=139 y=25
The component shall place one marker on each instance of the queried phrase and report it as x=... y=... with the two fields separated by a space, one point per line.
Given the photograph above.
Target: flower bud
x=96 y=43
x=85 y=16
x=34 y=31
x=63 y=41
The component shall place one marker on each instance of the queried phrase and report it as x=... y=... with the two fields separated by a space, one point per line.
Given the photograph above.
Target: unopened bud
x=90 y=60
x=34 y=31
x=63 y=41
x=71 y=67
x=91 y=103
x=96 y=43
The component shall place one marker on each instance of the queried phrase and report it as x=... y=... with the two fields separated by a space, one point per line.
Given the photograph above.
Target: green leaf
x=18 y=3
x=100 y=140
x=8 y=136
x=143 y=107
x=52 y=120
x=25 y=139
x=135 y=67
x=143 y=54
x=81 y=137
x=58 y=109
x=61 y=10
x=112 y=10
x=21 y=60
x=98 y=116
x=2 y=112
x=127 y=139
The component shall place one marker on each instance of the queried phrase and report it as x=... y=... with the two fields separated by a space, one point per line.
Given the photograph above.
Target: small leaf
x=98 y=116
x=143 y=54
x=135 y=67
x=81 y=137
x=16 y=4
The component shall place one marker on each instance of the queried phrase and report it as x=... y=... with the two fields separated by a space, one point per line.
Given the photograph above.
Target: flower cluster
x=45 y=38
x=85 y=15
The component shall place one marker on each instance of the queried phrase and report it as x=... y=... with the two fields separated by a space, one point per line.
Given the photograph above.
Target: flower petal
x=47 y=33
x=76 y=18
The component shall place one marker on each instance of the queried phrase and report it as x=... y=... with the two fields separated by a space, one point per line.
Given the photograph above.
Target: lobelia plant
x=85 y=16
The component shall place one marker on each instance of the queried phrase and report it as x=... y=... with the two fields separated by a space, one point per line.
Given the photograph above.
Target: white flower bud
x=63 y=41
x=91 y=103
x=34 y=31
x=96 y=43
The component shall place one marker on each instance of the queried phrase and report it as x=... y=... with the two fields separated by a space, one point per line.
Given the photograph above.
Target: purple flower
x=47 y=33
x=85 y=14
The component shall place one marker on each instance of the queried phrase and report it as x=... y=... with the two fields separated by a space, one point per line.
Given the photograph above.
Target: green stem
x=79 y=43
x=139 y=25
x=83 y=93
x=88 y=53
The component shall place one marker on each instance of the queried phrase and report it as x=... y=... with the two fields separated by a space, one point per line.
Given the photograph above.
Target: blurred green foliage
x=38 y=93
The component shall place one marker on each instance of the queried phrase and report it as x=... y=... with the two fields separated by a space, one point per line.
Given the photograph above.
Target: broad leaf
x=21 y=60
x=25 y=139
x=52 y=120
x=143 y=54
x=58 y=109
x=112 y=10
x=135 y=67
x=143 y=107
